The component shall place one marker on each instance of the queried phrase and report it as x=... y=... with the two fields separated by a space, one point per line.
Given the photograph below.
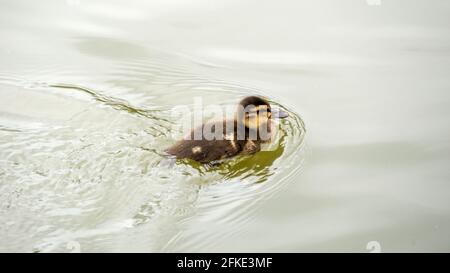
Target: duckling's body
x=205 y=151
x=233 y=142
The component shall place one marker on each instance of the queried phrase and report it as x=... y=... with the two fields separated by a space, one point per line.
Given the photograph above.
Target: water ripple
x=94 y=170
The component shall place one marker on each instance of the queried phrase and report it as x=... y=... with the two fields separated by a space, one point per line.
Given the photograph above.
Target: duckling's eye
x=264 y=111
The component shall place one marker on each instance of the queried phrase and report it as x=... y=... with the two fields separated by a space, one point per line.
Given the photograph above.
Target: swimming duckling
x=242 y=136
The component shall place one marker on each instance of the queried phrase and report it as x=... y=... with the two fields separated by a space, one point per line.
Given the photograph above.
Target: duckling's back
x=204 y=150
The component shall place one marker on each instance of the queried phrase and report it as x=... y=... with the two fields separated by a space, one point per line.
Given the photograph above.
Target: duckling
x=242 y=136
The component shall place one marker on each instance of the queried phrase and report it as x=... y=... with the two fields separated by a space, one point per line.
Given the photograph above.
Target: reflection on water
x=86 y=107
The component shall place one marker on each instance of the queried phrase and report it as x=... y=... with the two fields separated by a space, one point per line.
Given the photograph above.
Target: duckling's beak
x=279 y=114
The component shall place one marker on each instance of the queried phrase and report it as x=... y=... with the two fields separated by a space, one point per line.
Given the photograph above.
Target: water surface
x=87 y=89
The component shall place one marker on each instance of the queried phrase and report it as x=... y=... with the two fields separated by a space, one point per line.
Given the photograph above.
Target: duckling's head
x=256 y=113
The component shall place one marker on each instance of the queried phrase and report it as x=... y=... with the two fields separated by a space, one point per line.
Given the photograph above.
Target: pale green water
x=82 y=165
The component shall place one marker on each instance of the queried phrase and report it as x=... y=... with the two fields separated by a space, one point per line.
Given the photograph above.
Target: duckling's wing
x=204 y=150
